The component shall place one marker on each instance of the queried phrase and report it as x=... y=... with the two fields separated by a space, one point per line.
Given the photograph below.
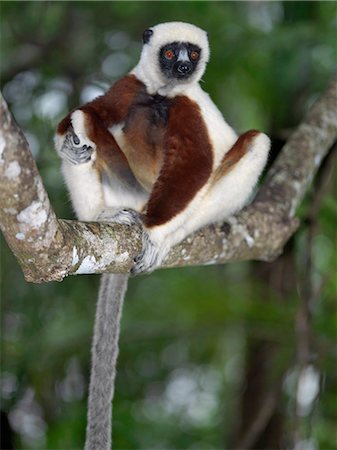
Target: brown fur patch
x=109 y=155
x=233 y=156
x=144 y=136
x=187 y=163
x=102 y=113
x=105 y=111
x=64 y=125
x=113 y=106
x=110 y=108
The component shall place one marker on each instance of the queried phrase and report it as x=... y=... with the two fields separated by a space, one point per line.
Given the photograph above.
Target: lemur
x=154 y=150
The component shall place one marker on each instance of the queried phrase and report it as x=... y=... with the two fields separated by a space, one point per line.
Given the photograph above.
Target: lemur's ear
x=147 y=35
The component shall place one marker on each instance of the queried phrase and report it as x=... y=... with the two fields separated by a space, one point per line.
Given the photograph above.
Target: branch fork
x=48 y=248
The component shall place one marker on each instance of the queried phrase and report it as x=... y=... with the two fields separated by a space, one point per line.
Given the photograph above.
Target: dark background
x=205 y=351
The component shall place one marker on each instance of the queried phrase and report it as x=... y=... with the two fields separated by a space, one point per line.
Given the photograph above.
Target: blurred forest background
x=233 y=356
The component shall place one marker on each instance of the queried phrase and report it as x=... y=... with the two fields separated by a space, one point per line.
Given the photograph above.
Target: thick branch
x=49 y=249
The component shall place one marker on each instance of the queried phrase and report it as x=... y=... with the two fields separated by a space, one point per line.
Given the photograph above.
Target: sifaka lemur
x=153 y=150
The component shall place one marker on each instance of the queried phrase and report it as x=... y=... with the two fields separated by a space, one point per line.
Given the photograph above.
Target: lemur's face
x=174 y=55
x=179 y=60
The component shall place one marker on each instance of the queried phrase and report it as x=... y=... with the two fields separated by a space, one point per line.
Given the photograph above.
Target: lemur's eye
x=169 y=54
x=194 y=55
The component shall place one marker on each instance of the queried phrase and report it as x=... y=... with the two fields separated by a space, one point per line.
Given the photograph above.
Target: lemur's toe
x=148 y=259
x=127 y=217
x=138 y=266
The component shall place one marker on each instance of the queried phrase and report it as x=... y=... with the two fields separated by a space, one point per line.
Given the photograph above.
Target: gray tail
x=104 y=354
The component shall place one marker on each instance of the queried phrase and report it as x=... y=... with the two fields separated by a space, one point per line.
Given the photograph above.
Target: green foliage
x=186 y=332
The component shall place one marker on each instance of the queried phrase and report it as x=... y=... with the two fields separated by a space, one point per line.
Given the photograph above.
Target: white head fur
x=148 y=69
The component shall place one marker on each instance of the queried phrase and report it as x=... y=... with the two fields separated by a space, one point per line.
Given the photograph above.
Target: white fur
x=221 y=135
x=183 y=55
x=85 y=189
x=90 y=196
x=232 y=191
x=118 y=195
x=58 y=142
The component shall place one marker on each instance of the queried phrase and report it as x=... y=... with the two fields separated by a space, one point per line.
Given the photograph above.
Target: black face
x=179 y=59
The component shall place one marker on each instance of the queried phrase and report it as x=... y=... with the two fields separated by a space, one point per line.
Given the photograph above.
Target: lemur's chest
x=142 y=136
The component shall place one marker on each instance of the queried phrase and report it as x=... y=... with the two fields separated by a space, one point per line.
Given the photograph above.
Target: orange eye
x=169 y=54
x=194 y=55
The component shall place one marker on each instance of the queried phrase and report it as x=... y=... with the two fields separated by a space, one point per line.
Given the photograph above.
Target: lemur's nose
x=184 y=68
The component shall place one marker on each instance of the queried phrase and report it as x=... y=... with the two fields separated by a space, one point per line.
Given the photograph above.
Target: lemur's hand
x=74 y=149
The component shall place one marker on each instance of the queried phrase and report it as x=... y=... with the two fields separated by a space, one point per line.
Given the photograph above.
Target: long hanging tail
x=104 y=354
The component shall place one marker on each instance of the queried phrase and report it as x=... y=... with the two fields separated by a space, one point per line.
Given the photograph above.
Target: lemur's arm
x=84 y=133
x=88 y=150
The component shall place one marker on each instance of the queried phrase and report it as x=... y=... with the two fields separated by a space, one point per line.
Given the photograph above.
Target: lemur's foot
x=150 y=257
x=75 y=150
x=146 y=261
x=124 y=216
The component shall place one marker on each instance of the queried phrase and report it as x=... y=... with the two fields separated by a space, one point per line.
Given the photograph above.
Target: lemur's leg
x=227 y=191
x=234 y=181
x=85 y=189
x=158 y=240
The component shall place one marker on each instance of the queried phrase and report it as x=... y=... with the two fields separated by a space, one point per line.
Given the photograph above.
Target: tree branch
x=48 y=248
